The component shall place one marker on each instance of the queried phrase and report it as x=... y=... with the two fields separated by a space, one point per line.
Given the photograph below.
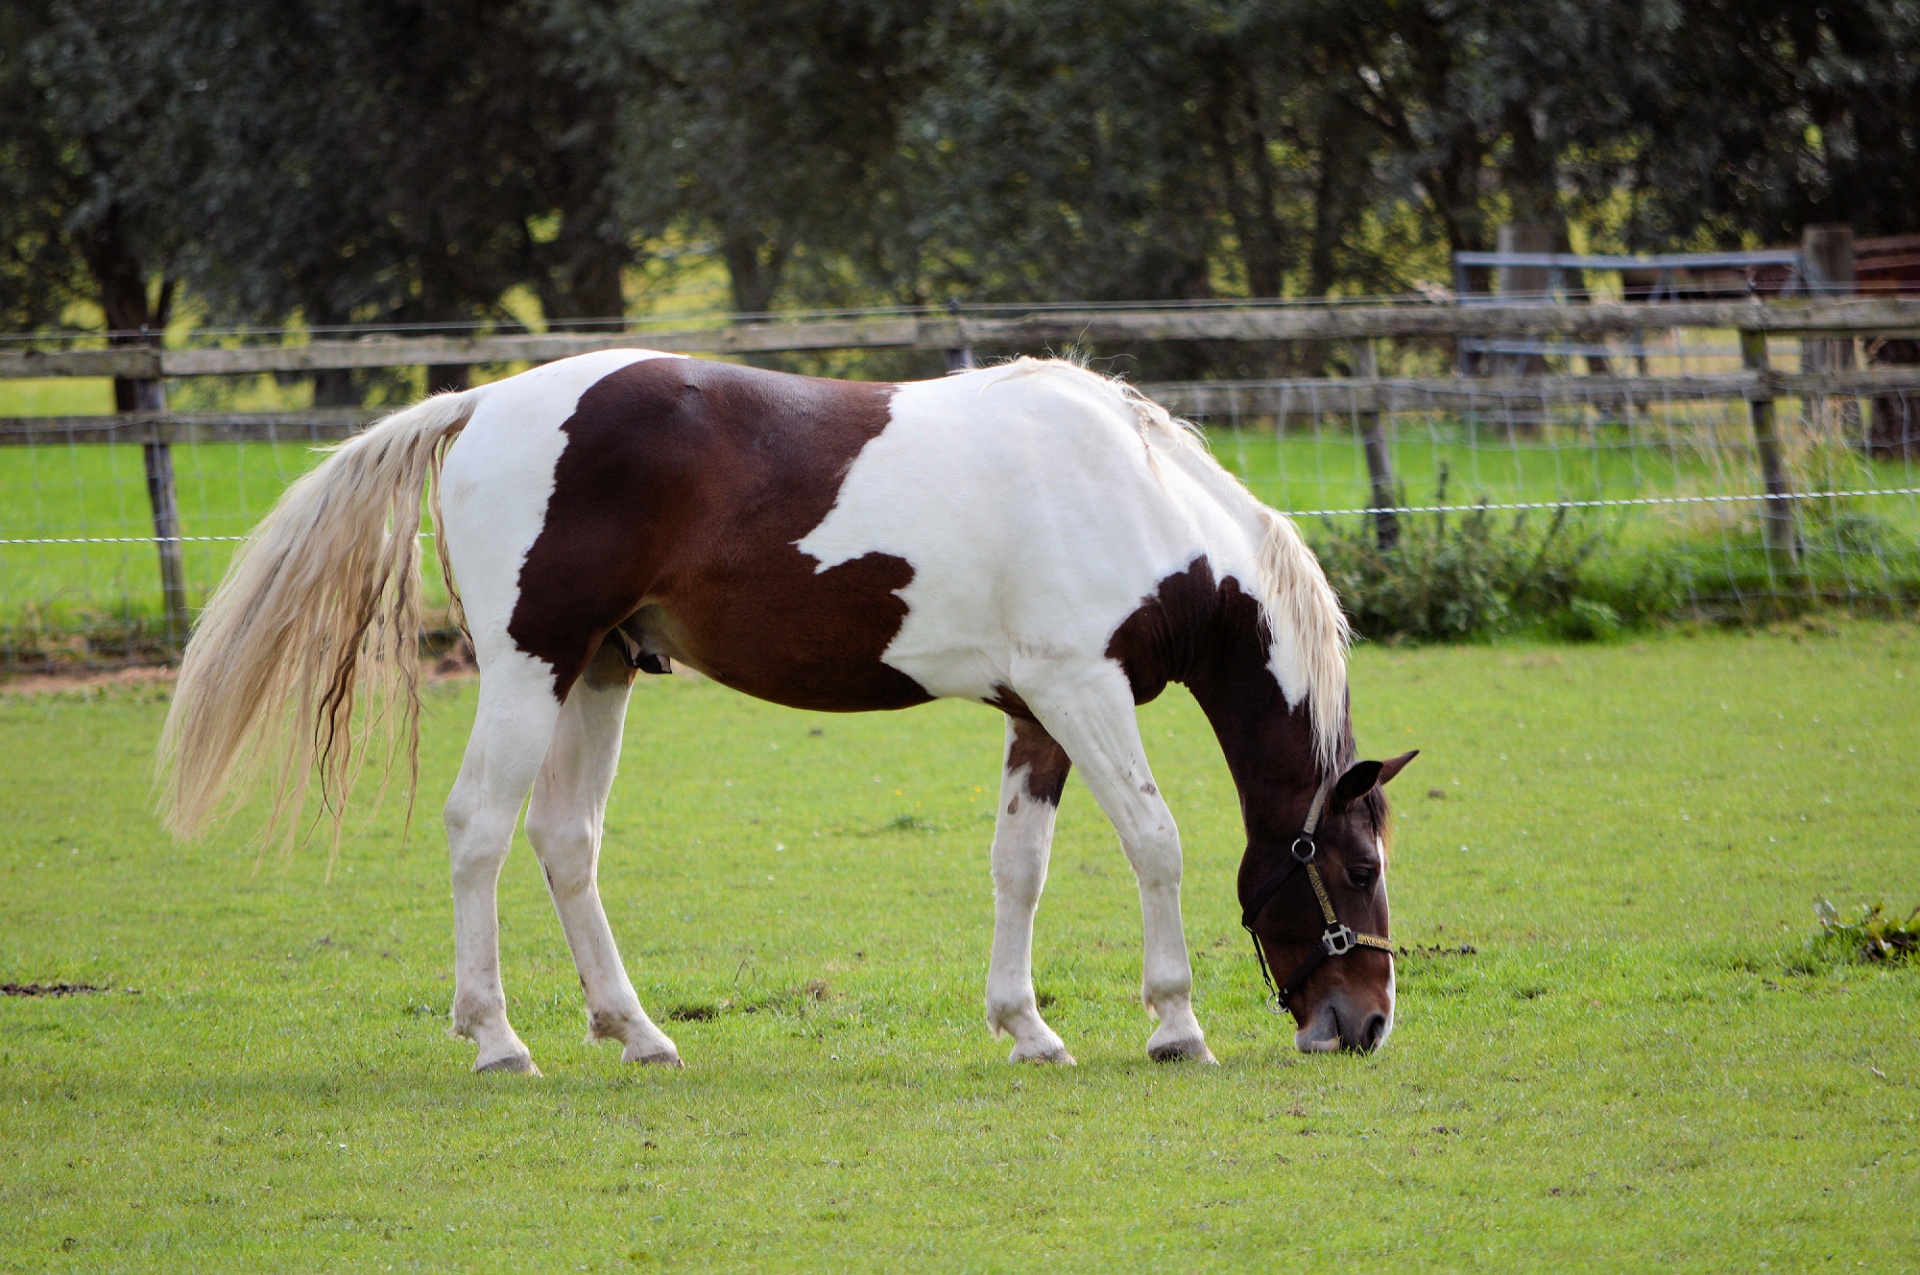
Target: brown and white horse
x=1032 y=536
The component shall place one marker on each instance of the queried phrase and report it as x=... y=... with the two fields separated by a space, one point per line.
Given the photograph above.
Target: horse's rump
x=678 y=491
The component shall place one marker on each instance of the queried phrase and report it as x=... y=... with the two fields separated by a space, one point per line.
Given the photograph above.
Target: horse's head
x=1317 y=907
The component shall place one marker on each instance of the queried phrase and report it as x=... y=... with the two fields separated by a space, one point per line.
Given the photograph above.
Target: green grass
x=1643 y=1063
x=52 y=596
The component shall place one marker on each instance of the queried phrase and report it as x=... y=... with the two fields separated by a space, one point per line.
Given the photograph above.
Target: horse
x=1033 y=536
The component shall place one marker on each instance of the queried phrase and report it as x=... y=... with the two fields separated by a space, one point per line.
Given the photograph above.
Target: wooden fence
x=1817 y=320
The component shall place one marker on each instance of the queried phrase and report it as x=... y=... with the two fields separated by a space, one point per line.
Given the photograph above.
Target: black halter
x=1337 y=940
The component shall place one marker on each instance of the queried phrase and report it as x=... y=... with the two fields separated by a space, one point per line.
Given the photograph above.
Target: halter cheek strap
x=1336 y=940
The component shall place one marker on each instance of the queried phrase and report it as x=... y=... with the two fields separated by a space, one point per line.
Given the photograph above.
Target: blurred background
x=191 y=174
x=515 y=164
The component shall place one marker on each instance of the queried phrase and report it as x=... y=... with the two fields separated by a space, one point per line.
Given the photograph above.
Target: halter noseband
x=1337 y=940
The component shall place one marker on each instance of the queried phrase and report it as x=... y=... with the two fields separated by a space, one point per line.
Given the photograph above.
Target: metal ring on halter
x=1338 y=940
x=1312 y=849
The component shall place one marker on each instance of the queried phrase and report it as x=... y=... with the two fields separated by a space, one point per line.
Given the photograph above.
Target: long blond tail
x=325 y=595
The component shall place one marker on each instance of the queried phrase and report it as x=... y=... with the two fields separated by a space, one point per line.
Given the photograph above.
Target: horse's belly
x=816 y=648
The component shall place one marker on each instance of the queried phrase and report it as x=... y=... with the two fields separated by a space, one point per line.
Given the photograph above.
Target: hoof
x=1057 y=1055
x=659 y=1058
x=518 y=1064
x=1182 y=1051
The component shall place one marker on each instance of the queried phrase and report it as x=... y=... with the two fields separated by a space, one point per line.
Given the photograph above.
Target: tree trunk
x=754 y=266
x=582 y=274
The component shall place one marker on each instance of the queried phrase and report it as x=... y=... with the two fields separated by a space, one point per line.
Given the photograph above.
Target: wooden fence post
x=1783 y=542
x=1382 y=499
x=960 y=359
x=151 y=396
x=148 y=396
x=1524 y=284
x=1826 y=256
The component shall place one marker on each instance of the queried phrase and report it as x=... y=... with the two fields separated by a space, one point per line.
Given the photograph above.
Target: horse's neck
x=1269 y=747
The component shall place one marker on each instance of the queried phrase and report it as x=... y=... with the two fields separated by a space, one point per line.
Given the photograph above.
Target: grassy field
x=224 y=489
x=1639 y=1063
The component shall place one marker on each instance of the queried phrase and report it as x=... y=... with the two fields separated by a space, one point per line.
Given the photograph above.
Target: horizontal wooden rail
x=1323 y=396
x=1035 y=331
x=1304 y=397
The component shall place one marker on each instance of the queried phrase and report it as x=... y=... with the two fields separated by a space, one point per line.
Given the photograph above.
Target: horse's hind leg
x=510 y=733
x=1031 y=780
x=1090 y=711
x=564 y=822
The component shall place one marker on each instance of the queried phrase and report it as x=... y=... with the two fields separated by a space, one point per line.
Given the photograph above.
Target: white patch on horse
x=1034 y=521
x=1040 y=504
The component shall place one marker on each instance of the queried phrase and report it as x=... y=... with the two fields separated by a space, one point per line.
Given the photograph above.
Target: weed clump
x=1460 y=574
x=1872 y=935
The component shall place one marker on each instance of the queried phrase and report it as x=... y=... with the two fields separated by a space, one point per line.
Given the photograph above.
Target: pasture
x=106 y=590
x=1614 y=1048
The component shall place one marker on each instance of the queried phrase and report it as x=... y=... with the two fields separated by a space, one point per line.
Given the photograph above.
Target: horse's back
x=823 y=543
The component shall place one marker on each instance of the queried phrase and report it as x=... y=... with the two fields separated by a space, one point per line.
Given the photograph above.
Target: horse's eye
x=1363 y=875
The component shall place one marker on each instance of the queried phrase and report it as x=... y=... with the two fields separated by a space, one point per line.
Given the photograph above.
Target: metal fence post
x=1783 y=541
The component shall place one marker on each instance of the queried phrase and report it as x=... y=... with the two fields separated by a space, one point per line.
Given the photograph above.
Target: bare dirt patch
x=48 y=989
x=65 y=681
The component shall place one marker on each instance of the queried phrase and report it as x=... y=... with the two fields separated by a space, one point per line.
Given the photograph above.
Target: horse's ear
x=1355 y=784
x=1394 y=765
x=1363 y=776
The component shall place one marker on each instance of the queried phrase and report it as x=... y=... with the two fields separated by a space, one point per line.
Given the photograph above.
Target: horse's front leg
x=1090 y=711
x=1032 y=777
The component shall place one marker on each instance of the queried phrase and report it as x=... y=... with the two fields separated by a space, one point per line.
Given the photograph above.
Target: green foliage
x=349 y=160
x=1465 y=574
x=1872 y=934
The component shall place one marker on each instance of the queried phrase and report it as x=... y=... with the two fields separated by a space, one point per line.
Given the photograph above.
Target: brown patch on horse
x=1214 y=636
x=1008 y=701
x=1161 y=640
x=1045 y=761
x=682 y=489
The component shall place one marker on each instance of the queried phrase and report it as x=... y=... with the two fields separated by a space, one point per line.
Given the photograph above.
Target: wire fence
x=1667 y=499
x=1662 y=478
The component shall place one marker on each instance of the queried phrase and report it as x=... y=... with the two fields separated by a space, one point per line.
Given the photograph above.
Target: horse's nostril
x=1374 y=1029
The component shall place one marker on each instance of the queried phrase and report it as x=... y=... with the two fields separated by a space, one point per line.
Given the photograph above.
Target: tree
x=406 y=163
x=1756 y=117
x=770 y=125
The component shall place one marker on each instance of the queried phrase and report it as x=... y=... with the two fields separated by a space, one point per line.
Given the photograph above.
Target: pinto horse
x=1033 y=536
